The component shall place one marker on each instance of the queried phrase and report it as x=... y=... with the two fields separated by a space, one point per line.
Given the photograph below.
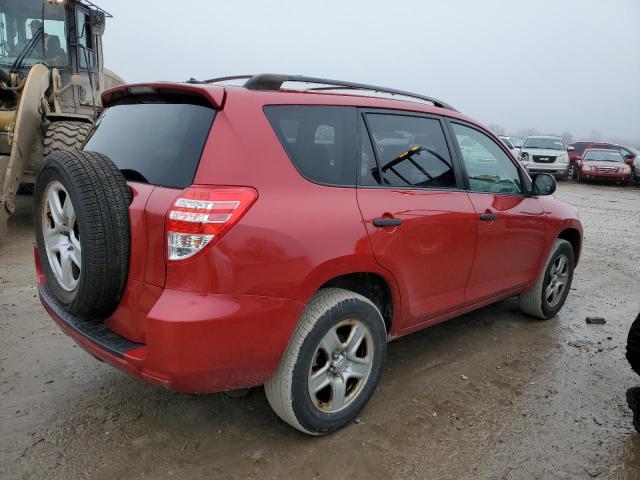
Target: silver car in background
x=545 y=154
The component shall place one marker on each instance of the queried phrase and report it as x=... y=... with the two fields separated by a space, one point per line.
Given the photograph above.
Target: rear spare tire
x=82 y=231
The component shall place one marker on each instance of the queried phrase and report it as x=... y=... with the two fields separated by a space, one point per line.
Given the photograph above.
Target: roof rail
x=270 y=81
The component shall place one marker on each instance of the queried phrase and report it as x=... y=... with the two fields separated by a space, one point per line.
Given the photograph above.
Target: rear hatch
x=155 y=136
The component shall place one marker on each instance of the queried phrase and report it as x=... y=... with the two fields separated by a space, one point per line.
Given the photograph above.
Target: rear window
x=319 y=140
x=158 y=143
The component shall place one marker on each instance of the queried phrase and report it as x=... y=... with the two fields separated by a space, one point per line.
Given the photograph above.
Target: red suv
x=213 y=237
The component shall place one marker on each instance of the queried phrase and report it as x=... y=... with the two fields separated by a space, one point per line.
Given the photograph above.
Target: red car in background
x=577 y=149
x=604 y=164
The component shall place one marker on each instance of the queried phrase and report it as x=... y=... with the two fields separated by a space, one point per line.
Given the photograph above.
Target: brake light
x=201 y=215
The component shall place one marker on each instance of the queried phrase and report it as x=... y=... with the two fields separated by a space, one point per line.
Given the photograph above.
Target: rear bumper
x=195 y=343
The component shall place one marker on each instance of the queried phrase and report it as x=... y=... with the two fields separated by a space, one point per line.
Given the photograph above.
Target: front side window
x=319 y=140
x=488 y=167
x=411 y=152
x=20 y=21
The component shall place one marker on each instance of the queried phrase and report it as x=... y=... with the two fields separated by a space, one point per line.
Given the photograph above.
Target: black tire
x=100 y=197
x=65 y=136
x=533 y=301
x=287 y=389
x=633 y=345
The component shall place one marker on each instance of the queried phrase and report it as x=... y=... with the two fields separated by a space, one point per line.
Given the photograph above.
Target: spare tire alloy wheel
x=61 y=236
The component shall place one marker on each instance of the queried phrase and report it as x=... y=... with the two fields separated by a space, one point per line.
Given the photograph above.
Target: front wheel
x=332 y=364
x=545 y=298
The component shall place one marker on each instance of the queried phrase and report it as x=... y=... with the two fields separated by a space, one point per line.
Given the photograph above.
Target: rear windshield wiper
x=133 y=176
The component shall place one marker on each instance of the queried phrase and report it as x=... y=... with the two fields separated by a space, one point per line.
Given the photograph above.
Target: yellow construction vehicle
x=51 y=79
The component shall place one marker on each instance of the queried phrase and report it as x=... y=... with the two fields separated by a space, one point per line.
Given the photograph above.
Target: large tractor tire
x=65 y=135
x=82 y=231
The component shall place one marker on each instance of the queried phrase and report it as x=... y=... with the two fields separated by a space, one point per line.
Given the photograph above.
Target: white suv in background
x=514 y=144
x=541 y=154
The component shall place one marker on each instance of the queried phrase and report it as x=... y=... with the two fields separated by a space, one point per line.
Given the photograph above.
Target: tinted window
x=160 y=144
x=320 y=141
x=580 y=147
x=489 y=168
x=412 y=152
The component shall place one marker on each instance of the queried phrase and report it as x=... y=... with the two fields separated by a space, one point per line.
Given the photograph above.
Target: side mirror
x=97 y=21
x=543 y=184
x=570 y=148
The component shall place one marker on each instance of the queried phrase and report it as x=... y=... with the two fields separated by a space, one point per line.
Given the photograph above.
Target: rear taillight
x=201 y=215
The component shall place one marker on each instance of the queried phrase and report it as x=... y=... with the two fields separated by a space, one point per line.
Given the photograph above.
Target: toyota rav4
x=212 y=237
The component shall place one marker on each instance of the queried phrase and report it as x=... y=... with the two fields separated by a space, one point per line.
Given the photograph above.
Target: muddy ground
x=543 y=399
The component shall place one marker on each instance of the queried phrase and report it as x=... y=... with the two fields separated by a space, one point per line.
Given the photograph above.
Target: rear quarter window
x=160 y=144
x=320 y=141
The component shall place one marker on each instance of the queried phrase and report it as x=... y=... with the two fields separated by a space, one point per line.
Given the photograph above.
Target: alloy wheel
x=341 y=366
x=557 y=280
x=61 y=236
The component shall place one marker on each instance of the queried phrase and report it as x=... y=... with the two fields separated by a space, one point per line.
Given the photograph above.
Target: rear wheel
x=332 y=364
x=547 y=296
x=65 y=135
x=82 y=231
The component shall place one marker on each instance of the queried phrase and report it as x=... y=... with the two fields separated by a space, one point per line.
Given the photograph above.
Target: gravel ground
x=538 y=400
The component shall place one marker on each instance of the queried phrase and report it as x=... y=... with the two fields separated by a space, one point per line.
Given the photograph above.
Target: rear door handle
x=387 y=222
x=488 y=216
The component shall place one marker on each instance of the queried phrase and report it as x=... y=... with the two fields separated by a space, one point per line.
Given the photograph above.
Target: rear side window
x=319 y=140
x=411 y=151
x=159 y=144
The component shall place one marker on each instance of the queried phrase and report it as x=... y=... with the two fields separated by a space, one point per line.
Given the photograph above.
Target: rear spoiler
x=138 y=92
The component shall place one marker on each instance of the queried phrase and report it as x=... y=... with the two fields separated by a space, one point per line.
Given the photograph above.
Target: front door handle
x=488 y=216
x=387 y=222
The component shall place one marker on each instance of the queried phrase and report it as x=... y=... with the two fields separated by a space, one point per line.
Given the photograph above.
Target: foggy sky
x=552 y=65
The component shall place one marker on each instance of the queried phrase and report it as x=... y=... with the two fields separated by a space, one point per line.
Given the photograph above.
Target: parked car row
x=580 y=160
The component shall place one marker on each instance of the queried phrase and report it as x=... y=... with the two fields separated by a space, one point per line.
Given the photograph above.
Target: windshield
x=603 y=156
x=544 y=143
x=20 y=20
x=517 y=142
